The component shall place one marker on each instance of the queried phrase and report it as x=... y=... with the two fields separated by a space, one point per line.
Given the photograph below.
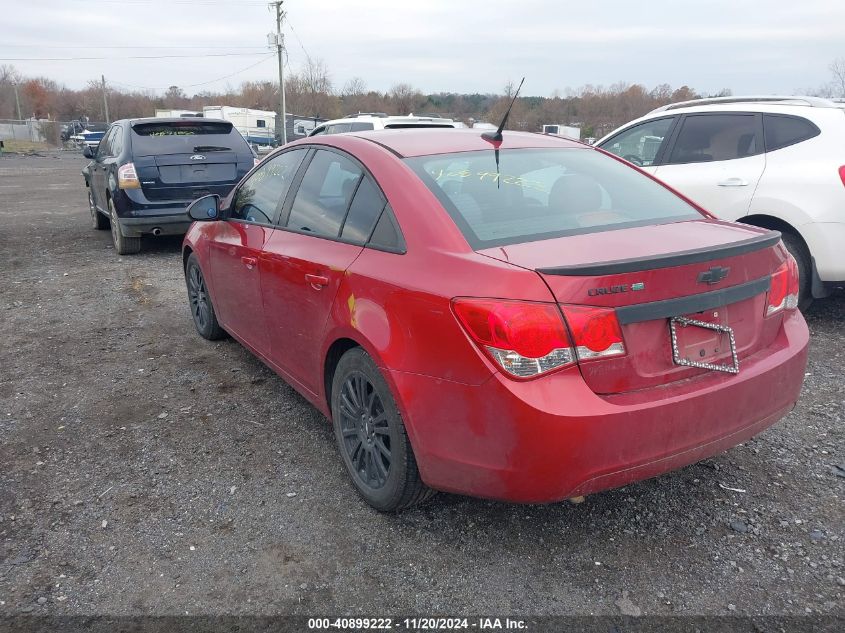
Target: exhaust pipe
x=156 y=231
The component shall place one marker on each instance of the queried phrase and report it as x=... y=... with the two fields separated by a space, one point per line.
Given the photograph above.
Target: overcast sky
x=749 y=46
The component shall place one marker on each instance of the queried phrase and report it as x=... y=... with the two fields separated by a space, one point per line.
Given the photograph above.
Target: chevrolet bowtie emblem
x=714 y=275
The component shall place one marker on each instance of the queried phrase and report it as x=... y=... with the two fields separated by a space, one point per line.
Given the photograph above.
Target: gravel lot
x=147 y=471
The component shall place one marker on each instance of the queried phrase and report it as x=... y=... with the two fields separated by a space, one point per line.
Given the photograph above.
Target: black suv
x=145 y=172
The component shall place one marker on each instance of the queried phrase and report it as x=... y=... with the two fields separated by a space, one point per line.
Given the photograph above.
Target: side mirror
x=87 y=152
x=205 y=208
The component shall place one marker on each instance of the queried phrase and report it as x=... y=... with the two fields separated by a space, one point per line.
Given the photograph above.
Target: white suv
x=775 y=162
x=380 y=121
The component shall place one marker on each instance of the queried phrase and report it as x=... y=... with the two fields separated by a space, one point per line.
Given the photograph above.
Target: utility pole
x=17 y=99
x=281 y=121
x=105 y=100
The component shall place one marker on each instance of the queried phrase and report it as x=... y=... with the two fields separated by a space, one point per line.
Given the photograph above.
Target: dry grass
x=24 y=147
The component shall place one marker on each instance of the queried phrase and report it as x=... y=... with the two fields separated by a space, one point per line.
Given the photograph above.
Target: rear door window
x=360 y=126
x=260 y=195
x=705 y=138
x=782 y=130
x=365 y=209
x=642 y=143
x=186 y=137
x=104 y=147
x=324 y=195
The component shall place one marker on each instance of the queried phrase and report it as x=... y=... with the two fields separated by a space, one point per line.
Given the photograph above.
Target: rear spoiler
x=694 y=256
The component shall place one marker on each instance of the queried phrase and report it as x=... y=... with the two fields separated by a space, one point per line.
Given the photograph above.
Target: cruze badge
x=197 y=157
x=612 y=290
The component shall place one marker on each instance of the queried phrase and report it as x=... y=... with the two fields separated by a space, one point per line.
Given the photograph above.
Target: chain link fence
x=56 y=134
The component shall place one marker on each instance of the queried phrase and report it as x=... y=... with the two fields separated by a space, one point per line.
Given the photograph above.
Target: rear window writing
x=182 y=136
x=540 y=194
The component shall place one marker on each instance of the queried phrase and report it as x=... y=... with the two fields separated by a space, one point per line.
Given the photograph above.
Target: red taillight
x=127 y=177
x=525 y=339
x=783 y=292
x=528 y=339
x=596 y=331
x=842 y=174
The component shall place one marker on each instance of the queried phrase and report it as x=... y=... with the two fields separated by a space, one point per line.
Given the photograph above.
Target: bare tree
x=405 y=98
x=837 y=69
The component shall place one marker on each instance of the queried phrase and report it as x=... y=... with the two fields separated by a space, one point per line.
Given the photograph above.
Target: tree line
x=311 y=93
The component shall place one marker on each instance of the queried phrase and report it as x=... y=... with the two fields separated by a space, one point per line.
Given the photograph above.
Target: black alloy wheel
x=371 y=436
x=202 y=310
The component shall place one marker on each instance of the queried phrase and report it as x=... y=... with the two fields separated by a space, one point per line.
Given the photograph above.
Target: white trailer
x=258 y=127
x=566 y=131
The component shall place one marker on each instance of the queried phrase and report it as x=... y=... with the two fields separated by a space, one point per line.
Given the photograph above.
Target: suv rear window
x=186 y=137
x=540 y=194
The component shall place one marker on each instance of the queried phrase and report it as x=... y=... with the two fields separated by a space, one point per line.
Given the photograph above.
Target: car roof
x=410 y=142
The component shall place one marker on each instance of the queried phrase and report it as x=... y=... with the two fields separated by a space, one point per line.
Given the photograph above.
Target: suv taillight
x=842 y=174
x=528 y=339
x=783 y=293
x=127 y=177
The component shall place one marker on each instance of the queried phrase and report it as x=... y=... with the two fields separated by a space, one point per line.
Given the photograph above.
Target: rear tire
x=98 y=220
x=202 y=310
x=796 y=247
x=122 y=244
x=371 y=437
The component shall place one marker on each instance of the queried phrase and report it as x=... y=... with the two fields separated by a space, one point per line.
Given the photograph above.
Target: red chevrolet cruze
x=527 y=319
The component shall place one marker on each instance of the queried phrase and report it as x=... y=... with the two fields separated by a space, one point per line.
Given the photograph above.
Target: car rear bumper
x=169 y=224
x=139 y=216
x=550 y=439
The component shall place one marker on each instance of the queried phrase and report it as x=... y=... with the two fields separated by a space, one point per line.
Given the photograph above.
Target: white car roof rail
x=813 y=102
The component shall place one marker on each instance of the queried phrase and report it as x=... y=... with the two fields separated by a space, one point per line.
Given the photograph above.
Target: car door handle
x=733 y=182
x=317 y=281
x=249 y=262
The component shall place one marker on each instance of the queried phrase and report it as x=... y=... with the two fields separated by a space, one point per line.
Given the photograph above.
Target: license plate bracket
x=679 y=349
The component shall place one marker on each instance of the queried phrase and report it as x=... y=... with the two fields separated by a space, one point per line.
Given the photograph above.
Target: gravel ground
x=147 y=471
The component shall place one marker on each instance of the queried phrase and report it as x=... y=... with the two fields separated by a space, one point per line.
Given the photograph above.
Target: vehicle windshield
x=185 y=137
x=537 y=194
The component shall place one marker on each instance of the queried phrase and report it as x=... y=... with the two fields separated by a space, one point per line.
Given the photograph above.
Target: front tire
x=798 y=250
x=202 y=310
x=371 y=437
x=98 y=220
x=122 y=244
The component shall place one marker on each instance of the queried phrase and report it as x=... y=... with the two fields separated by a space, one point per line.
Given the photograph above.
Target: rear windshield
x=185 y=137
x=540 y=194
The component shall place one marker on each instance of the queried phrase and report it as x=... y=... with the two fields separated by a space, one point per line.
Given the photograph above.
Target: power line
x=202 y=83
x=148 y=46
x=75 y=59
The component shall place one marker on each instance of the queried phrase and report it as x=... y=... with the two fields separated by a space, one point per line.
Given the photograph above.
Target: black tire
x=371 y=437
x=122 y=244
x=796 y=247
x=202 y=310
x=98 y=220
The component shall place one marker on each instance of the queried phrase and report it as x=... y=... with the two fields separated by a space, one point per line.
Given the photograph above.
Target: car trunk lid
x=705 y=271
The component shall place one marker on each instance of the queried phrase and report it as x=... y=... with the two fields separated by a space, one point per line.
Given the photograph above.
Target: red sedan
x=528 y=319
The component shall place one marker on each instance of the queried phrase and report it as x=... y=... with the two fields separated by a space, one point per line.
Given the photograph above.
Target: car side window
x=116 y=144
x=324 y=195
x=360 y=126
x=365 y=209
x=317 y=131
x=782 y=130
x=641 y=143
x=715 y=137
x=104 y=148
x=338 y=128
x=260 y=195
